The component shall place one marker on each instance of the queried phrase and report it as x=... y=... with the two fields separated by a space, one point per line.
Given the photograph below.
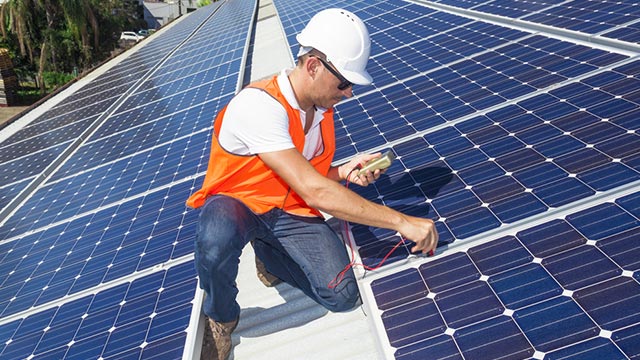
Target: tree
x=63 y=35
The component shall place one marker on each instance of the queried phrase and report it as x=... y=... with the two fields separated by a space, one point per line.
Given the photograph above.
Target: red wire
x=338 y=279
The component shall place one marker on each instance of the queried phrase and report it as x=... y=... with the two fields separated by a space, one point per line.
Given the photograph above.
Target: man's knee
x=342 y=298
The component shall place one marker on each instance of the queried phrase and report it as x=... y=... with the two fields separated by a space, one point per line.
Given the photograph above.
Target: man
x=270 y=175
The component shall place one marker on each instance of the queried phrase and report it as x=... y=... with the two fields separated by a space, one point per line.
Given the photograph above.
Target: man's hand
x=421 y=231
x=349 y=171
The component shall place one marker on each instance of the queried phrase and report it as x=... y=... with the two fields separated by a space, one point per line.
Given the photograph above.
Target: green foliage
x=75 y=35
x=202 y=3
x=54 y=79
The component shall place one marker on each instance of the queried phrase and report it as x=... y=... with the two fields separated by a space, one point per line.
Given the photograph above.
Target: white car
x=130 y=36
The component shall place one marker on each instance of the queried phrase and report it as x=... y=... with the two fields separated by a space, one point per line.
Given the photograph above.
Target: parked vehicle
x=131 y=36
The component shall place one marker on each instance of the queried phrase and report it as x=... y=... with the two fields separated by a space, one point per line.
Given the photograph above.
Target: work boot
x=267 y=278
x=216 y=344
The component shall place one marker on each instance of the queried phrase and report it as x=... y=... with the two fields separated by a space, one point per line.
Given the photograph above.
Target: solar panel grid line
x=93 y=187
x=151 y=194
x=99 y=209
x=33 y=185
x=80 y=139
x=386 y=329
x=5 y=319
x=137 y=314
x=439 y=127
x=577 y=36
x=92 y=250
x=130 y=155
x=496 y=233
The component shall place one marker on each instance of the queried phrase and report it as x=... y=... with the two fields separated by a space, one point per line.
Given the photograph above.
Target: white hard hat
x=344 y=39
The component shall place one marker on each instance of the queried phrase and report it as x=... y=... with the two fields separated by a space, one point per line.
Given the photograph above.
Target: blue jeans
x=304 y=252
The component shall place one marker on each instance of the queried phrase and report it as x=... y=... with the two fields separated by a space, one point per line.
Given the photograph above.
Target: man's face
x=329 y=83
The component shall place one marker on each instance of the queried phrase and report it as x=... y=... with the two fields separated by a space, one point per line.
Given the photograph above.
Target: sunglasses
x=344 y=83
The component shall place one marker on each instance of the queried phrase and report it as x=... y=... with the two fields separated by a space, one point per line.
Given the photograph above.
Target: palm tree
x=79 y=14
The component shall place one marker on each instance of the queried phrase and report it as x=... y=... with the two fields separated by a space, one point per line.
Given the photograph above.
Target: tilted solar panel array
x=98 y=261
x=500 y=133
x=35 y=150
x=617 y=20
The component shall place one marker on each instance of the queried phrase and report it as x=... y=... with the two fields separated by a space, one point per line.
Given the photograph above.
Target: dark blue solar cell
x=472 y=222
x=505 y=113
x=440 y=347
x=456 y=202
x=499 y=255
x=597 y=348
x=502 y=146
x=519 y=159
x=442 y=135
x=611 y=108
x=580 y=266
x=517 y=207
x=628 y=340
x=563 y=191
x=373 y=254
x=412 y=322
x=495 y=338
x=538 y=102
x=434 y=181
x=58 y=336
x=447 y=273
x=128 y=336
x=555 y=323
x=603 y=79
x=520 y=122
x=629 y=120
x=581 y=160
x=609 y=302
x=550 y=238
x=169 y=347
x=591 y=222
x=487 y=134
x=622 y=87
x=465 y=159
x=570 y=90
x=555 y=111
x=474 y=124
x=524 y=285
x=467 y=304
x=453 y=146
x=399 y=288
x=598 y=132
x=589 y=98
x=558 y=146
x=167 y=323
x=410 y=146
x=630 y=203
x=623 y=249
x=21 y=346
x=538 y=134
x=609 y=176
x=480 y=173
x=621 y=146
x=498 y=188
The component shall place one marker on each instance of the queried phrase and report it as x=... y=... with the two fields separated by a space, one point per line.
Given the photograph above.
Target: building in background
x=158 y=13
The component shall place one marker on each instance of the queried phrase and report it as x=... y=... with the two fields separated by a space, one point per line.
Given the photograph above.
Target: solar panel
x=563 y=288
x=495 y=129
x=519 y=144
x=97 y=262
x=609 y=19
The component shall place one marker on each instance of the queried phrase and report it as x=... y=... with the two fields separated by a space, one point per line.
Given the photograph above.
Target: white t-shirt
x=255 y=122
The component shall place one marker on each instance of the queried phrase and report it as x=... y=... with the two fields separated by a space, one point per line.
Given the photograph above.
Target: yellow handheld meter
x=382 y=162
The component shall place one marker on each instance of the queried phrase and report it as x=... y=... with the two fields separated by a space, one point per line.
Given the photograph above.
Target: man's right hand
x=422 y=232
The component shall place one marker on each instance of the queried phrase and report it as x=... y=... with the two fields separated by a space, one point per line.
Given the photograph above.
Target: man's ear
x=311 y=66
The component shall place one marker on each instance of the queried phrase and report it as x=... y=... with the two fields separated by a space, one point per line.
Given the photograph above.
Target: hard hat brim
x=358 y=78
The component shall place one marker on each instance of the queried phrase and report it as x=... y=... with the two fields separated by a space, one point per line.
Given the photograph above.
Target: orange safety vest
x=249 y=179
